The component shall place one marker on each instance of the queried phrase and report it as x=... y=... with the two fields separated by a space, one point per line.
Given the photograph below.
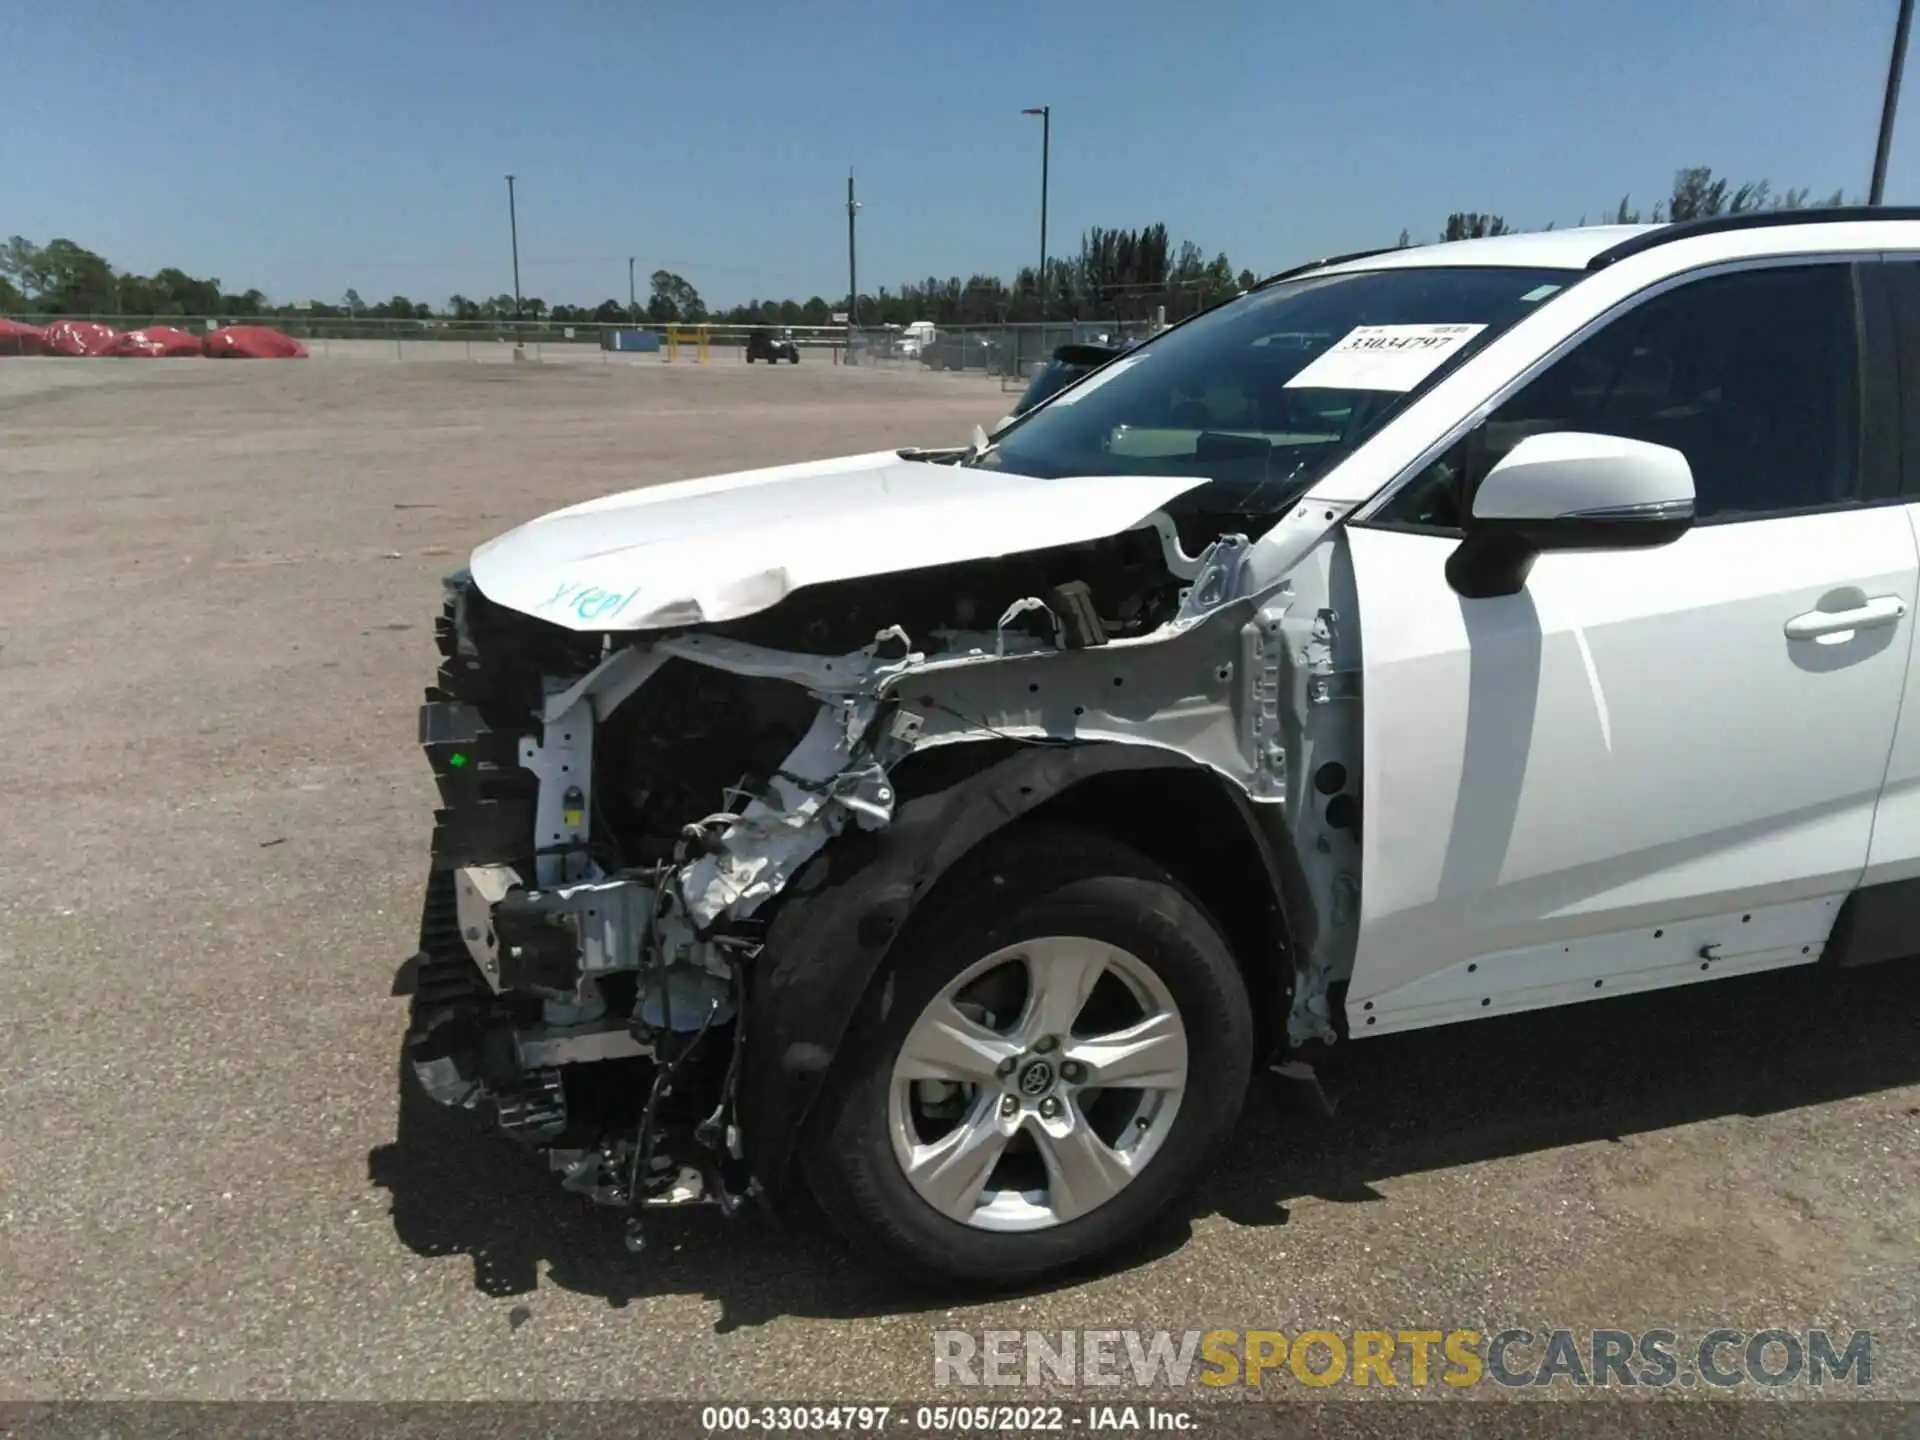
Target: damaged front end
x=624 y=816
x=590 y=916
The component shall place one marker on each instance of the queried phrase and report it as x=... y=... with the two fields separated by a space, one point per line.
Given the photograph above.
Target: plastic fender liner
x=840 y=915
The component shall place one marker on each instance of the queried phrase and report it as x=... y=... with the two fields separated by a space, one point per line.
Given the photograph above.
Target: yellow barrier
x=697 y=338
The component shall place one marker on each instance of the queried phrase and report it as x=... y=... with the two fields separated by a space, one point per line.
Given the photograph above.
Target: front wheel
x=1061 y=1044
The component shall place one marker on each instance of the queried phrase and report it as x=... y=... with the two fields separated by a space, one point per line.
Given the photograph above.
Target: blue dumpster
x=642 y=342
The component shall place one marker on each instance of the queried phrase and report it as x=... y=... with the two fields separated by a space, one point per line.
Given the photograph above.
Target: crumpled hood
x=707 y=550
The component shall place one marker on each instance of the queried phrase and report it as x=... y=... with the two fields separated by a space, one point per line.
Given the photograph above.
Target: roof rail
x=1322 y=263
x=1748 y=220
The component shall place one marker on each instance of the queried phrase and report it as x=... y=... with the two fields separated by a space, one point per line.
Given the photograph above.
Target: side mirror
x=1569 y=491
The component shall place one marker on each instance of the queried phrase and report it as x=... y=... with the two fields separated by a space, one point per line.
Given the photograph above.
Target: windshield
x=1052 y=378
x=1267 y=392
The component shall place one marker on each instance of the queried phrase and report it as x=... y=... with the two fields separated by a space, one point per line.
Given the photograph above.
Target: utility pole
x=1891 y=102
x=633 y=303
x=1045 y=112
x=853 y=273
x=513 y=223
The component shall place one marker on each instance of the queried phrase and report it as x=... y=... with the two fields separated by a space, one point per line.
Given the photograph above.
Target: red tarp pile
x=80 y=337
x=87 y=337
x=157 y=342
x=19 y=338
x=253 y=342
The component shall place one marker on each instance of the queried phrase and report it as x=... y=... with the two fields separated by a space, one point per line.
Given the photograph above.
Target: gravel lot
x=217 y=588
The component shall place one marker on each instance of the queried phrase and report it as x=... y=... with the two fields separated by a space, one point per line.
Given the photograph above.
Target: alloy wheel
x=1037 y=1084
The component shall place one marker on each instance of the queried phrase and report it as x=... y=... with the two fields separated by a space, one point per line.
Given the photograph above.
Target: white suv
x=1425 y=635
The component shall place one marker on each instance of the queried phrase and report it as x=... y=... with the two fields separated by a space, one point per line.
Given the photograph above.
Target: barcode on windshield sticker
x=1383 y=357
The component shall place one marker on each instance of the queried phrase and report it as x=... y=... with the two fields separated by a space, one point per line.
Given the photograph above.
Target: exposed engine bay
x=621 y=814
x=663 y=761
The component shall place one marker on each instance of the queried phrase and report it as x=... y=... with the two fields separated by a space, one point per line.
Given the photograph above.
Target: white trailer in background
x=913 y=338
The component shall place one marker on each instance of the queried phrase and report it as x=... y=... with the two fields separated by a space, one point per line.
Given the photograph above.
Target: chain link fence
x=484 y=339
x=1008 y=352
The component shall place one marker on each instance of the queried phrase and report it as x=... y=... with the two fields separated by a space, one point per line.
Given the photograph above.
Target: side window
x=1754 y=377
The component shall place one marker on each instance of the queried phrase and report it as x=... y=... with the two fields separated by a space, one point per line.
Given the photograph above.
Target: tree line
x=1117 y=274
x=1116 y=270
x=1697 y=194
x=62 y=278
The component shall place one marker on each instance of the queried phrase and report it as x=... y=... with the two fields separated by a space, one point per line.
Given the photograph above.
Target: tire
x=749 y=357
x=1055 y=894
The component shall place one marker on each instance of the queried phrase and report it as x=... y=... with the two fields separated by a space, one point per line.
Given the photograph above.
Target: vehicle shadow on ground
x=1491 y=1089
x=1401 y=1105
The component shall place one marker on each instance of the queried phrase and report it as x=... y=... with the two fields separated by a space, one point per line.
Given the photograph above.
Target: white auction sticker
x=1383 y=357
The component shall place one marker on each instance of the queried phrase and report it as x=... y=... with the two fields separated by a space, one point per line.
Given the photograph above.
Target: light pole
x=633 y=303
x=1045 y=112
x=1891 y=102
x=853 y=277
x=513 y=225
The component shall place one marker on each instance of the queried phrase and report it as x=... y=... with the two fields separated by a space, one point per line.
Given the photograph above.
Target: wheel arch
x=836 y=923
x=1204 y=833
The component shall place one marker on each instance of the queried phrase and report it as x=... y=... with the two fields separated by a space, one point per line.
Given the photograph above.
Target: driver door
x=1631 y=774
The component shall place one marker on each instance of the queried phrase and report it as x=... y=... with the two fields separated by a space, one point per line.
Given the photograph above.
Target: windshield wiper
x=979 y=448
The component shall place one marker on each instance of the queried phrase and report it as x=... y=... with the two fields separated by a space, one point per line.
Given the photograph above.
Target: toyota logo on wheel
x=1036 y=1079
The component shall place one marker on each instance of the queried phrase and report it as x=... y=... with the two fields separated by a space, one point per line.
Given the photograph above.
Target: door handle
x=1881 y=610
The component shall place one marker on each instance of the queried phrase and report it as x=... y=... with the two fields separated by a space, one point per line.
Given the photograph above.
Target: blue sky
x=307 y=145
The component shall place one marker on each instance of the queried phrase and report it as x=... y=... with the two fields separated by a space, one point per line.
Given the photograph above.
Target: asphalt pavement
x=217 y=593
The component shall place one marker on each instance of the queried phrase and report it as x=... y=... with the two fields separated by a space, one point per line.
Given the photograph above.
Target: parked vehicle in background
x=913 y=339
x=953 y=833
x=962 y=350
x=772 y=346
